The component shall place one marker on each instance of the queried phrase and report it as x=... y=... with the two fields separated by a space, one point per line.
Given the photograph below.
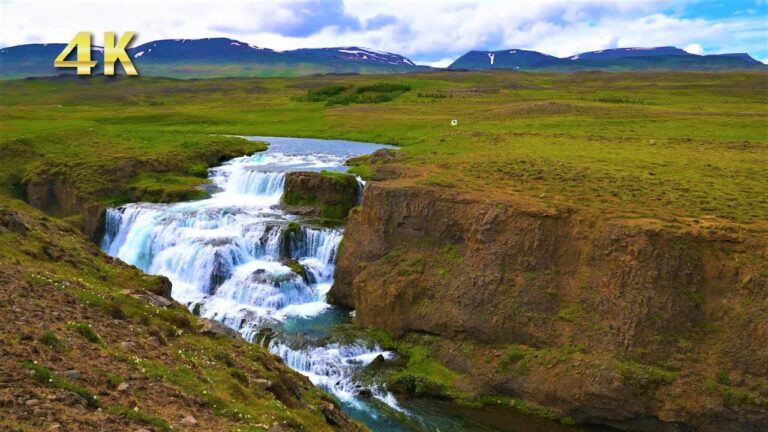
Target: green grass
x=86 y=331
x=694 y=148
x=423 y=375
x=137 y=415
x=50 y=339
x=47 y=377
x=344 y=95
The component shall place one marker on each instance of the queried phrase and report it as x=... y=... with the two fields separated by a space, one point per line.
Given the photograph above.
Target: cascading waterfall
x=228 y=259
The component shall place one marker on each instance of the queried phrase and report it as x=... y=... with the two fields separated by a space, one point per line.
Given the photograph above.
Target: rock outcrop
x=328 y=195
x=502 y=272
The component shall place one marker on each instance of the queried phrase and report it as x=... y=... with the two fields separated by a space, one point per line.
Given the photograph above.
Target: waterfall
x=233 y=257
x=253 y=182
x=332 y=366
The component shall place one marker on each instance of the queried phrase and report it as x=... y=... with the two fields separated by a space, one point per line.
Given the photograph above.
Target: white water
x=225 y=257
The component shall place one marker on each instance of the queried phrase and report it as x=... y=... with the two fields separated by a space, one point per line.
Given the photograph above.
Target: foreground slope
x=589 y=247
x=93 y=344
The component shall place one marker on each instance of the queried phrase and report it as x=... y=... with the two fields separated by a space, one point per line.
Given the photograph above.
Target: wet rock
x=264 y=336
x=222 y=270
x=215 y=328
x=188 y=421
x=377 y=361
x=365 y=393
x=297 y=268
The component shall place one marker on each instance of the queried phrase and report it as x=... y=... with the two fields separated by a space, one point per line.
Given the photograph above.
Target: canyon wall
x=499 y=272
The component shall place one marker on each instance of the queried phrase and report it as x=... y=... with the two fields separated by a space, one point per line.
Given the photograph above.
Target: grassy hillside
x=89 y=344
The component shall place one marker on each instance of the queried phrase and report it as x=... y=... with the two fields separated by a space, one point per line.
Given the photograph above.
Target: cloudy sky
x=428 y=31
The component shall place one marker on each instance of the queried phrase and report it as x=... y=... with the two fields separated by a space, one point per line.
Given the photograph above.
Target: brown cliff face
x=328 y=194
x=57 y=196
x=502 y=272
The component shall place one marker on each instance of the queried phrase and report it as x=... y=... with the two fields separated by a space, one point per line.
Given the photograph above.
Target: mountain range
x=616 y=59
x=222 y=57
x=213 y=57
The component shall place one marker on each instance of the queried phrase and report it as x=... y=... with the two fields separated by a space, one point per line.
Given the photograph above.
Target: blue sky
x=427 y=31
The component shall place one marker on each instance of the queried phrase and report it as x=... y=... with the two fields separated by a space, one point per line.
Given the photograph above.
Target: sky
x=426 y=31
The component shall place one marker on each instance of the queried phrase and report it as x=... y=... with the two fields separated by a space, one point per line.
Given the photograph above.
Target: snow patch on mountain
x=374 y=55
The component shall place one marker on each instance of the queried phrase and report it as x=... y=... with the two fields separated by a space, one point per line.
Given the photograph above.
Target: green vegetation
x=50 y=339
x=345 y=95
x=86 y=331
x=422 y=375
x=646 y=374
x=737 y=396
x=383 y=88
x=135 y=414
x=569 y=312
x=695 y=148
x=47 y=377
x=322 y=94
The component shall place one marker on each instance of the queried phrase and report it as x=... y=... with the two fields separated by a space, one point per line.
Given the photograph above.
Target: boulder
x=328 y=195
x=216 y=329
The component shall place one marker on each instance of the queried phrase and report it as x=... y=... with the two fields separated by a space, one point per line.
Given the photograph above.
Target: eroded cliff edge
x=650 y=327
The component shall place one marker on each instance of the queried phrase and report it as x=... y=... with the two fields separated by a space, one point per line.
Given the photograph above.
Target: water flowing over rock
x=246 y=267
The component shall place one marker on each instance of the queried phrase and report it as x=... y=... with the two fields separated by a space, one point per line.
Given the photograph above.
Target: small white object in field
x=454 y=122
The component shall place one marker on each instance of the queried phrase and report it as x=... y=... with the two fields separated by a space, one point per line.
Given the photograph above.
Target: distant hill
x=213 y=57
x=223 y=57
x=617 y=59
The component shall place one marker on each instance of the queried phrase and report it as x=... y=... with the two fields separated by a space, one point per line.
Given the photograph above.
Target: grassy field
x=678 y=147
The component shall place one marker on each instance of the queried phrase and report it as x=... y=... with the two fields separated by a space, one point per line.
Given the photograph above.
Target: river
x=228 y=259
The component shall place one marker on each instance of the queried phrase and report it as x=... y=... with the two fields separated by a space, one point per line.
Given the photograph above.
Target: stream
x=227 y=257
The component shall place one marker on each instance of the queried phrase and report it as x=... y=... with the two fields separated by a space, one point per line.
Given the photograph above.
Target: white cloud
x=694 y=49
x=439 y=63
x=423 y=30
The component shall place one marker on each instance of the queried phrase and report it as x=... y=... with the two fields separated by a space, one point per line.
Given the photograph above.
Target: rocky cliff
x=324 y=194
x=653 y=326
